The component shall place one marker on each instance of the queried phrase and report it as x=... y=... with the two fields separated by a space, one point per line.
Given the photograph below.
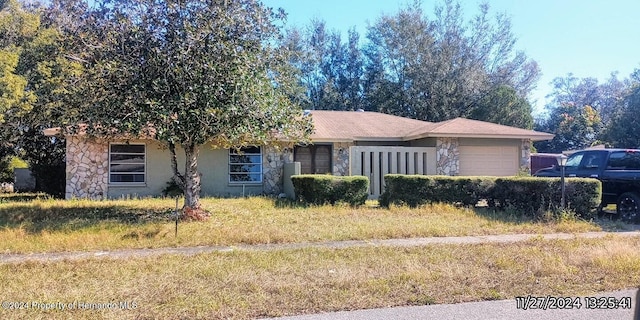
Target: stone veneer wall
x=273 y=161
x=87 y=168
x=447 y=156
x=525 y=156
x=341 y=158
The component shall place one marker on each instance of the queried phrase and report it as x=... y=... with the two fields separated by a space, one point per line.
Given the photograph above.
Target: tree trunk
x=178 y=178
x=192 y=185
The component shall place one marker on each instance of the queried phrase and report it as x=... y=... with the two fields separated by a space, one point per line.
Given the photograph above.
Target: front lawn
x=45 y=225
x=251 y=284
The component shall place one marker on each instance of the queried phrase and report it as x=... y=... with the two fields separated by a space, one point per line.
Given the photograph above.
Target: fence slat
x=375 y=162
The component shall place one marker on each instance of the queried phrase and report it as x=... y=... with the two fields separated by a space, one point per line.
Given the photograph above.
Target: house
x=344 y=143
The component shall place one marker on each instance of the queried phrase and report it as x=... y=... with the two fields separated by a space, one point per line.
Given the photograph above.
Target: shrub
x=531 y=195
x=526 y=195
x=414 y=190
x=322 y=189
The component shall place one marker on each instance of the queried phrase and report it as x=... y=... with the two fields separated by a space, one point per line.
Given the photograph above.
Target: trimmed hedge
x=524 y=194
x=322 y=189
x=414 y=190
x=528 y=194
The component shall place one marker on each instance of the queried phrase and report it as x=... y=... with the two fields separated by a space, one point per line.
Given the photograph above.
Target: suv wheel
x=628 y=207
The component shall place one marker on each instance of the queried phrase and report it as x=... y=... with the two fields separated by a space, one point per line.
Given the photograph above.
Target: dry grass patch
x=242 y=285
x=57 y=225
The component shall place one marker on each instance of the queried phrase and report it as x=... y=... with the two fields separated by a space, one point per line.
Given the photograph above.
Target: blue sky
x=589 y=38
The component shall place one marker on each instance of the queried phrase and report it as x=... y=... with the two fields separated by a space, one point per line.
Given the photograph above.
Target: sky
x=589 y=38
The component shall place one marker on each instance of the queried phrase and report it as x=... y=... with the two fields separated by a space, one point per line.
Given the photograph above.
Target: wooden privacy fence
x=375 y=162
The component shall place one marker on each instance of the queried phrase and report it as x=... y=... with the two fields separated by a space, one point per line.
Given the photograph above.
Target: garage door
x=488 y=161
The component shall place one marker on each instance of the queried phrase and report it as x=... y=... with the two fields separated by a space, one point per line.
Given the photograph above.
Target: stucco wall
x=88 y=172
x=213 y=165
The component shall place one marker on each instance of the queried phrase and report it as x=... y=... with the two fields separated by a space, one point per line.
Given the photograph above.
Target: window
x=314 y=159
x=574 y=160
x=624 y=160
x=245 y=165
x=127 y=163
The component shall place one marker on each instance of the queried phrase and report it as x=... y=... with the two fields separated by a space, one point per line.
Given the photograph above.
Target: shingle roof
x=375 y=126
x=467 y=128
x=354 y=125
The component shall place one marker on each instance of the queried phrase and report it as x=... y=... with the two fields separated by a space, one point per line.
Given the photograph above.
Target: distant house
x=344 y=143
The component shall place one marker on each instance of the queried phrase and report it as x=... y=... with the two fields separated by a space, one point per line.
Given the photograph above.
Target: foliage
x=185 y=73
x=415 y=190
x=622 y=131
x=416 y=66
x=172 y=190
x=330 y=70
x=534 y=196
x=527 y=195
x=502 y=105
x=43 y=70
x=322 y=189
x=579 y=111
x=575 y=127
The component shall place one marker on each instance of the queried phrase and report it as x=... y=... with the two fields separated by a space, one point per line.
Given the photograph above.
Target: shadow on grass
x=35 y=217
x=22 y=197
x=607 y=221
x=287 y=203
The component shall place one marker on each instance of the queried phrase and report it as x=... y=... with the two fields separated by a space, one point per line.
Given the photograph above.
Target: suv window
x=574 y=160
x=624 y=160
x=592 y=160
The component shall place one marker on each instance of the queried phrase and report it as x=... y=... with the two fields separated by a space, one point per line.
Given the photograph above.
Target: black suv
x=619 y=171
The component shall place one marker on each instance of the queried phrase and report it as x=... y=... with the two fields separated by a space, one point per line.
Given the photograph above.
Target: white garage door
x=488 y=161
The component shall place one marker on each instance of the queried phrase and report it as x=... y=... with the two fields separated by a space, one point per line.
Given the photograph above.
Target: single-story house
x=343 y=143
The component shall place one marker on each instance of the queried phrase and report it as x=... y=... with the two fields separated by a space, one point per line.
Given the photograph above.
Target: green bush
x=414 y=190
x=322 y=189
x=527 y=195
x=533 y=195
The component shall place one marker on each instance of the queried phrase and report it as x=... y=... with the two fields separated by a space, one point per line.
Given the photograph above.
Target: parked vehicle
x=619 y=171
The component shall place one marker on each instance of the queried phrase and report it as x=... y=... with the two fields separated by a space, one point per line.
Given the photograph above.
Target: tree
x=330 y=70
x=579 y=110
x=502 y=105
x=41 y=69
x=622 y=131
x=575 y=127
x=185 y=73
x=437 y=69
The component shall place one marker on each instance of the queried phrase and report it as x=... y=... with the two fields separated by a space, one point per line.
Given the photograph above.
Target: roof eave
x=541 y=137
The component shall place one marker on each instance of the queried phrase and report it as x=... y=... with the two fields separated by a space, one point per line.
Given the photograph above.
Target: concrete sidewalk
x=409 y=242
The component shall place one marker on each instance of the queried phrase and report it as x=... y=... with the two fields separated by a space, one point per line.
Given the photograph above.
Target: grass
x=48 y=225
x=243 y=285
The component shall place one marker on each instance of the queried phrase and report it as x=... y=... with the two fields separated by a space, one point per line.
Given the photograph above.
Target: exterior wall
x=213 y=165
x=157 y=172
x=424 y=142
x=86 y=168
x=88 y=171
x=525 y=156
x=447 y=156
x=23 y=179
x=273 y=168
x=381 y=143
x=340 y=159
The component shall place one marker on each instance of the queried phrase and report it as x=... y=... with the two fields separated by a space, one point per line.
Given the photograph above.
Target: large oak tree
x=186 y=73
